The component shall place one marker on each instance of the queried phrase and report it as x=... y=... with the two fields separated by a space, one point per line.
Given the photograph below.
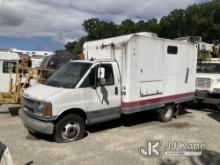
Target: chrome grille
x=203 y=83
x=29 y=104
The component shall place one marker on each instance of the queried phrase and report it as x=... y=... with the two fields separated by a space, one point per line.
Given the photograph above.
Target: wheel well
x=175 y=105
x=171 y=103
x=76 y=111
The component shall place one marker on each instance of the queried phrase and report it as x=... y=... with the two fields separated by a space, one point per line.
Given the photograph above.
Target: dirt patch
x=31 y=137
x=177 y=125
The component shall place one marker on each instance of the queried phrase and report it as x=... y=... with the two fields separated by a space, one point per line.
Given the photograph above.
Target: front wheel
x=166 y=114
x=69 y=128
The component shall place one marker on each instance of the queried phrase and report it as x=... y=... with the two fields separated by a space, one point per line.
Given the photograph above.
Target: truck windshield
x=68 y=75
x=208 y=68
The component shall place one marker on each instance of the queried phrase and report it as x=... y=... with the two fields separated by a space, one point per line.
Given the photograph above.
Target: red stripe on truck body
x=155 y=101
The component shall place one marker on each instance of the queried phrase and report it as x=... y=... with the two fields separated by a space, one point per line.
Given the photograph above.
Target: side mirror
x=101 y=76
x=101 y=73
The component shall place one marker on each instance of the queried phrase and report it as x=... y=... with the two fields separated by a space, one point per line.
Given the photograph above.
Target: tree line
x=196 y=20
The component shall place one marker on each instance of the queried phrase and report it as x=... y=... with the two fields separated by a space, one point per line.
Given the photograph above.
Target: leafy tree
x=196 y=20
x=93 y=27
x=141 y=26
x=152 y=25
x=97 y=29
x=203 y=56
x=76 y=46
x=126 y=27
x=173 y=25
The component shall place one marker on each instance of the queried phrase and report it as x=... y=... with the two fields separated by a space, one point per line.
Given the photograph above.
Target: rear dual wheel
x=166 y=114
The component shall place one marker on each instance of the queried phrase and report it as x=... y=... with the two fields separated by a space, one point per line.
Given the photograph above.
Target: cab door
x=103 y=102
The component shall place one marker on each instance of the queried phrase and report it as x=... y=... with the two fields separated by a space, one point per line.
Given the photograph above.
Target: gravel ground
x=116 y=142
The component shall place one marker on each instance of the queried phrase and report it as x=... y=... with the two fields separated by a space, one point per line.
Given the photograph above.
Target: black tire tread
x=162 y=117
x=57 y=129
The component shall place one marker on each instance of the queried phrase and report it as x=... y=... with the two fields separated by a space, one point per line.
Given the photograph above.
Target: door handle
x=116 y=90
x=187 y=76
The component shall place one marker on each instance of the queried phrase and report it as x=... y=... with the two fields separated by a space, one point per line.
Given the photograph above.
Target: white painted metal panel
x=5 y=77
x=150 y=88
x=144 y=58
x=9 y=56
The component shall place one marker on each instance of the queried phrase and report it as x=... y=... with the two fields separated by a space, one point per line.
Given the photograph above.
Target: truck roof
x=118 y=40
x=9 y=56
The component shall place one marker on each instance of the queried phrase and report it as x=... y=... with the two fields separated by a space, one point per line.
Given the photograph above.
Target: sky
x=49 y=24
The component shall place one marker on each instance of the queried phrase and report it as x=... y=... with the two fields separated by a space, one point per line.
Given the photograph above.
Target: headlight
x=39 y=108
x=43 y=109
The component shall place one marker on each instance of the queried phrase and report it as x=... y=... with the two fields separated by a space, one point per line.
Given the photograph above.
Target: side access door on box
x=103 y=102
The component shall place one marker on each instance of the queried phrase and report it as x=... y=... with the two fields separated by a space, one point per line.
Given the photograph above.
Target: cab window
x=92 y=78
x=8 y=66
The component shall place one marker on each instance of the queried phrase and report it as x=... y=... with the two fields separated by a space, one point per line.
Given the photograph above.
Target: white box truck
x=121 y=75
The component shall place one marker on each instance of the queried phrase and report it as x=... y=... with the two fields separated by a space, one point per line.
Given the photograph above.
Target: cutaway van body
x=121 y=75
x=153 y=71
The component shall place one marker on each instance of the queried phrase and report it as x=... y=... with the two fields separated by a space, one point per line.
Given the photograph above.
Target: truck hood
x=41 y=92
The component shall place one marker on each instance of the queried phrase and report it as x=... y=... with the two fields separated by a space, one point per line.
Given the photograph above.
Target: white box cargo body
x=121 y=75
x=154 y=71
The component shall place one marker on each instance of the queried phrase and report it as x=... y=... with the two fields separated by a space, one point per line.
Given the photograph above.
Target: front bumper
x=201 y=94
x=36 y=125
x=207 y=98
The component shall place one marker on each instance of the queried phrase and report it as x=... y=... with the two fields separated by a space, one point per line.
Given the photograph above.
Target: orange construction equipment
x=24 y=78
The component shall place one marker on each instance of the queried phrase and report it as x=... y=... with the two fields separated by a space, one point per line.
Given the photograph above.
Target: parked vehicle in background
x=15 y=76
x=8 y=61
x=24 y=78
x=36 y=57
x=36 y=61
x=208 y=81
x=5 y=155
x=121 y=75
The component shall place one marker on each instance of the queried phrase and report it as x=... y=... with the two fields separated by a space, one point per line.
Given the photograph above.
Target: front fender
x=67 y=100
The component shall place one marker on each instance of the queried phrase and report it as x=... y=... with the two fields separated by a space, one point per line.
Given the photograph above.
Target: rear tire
x=166 y=113
x=69 y=128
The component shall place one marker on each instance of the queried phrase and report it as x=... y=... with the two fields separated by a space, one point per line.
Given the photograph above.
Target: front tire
x=166 y=114
x=69 y=128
